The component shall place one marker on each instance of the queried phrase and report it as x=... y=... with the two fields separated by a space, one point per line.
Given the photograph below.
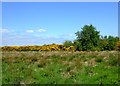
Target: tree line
x=89 y=39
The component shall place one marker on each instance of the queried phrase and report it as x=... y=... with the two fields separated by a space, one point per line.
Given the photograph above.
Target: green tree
x=78 y=46
x=112 y=42
x=88 y=37
x=68 y=43
x=108 y=42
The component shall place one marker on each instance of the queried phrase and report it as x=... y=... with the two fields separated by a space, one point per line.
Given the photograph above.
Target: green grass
x=60 y=67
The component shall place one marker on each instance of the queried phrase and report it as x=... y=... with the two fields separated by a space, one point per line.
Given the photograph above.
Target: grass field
x=60 y=67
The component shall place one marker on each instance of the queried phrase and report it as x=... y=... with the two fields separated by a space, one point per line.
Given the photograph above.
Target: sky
x=60 y=0
x=38 y=23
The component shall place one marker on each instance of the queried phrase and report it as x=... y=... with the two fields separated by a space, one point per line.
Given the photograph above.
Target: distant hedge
x=50 y=47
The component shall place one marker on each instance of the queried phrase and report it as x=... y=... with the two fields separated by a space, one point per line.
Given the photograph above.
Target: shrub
x=118 y=46
x=77 y=45
x=67 y=43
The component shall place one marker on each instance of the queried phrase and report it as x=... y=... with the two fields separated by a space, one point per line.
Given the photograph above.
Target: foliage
x=89 y=40
x=78 y=46
x=88 y=37
x=67 y=43
x=108 y=42
x=118 y=46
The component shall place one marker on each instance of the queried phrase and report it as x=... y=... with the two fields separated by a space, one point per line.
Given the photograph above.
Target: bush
x=118 y=46
x=77 y=45
x=67 y=43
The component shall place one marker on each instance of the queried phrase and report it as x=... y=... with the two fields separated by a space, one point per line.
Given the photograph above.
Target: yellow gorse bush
x=50 y=47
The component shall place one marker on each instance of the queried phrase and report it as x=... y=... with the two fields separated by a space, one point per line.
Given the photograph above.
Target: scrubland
x=60 y=67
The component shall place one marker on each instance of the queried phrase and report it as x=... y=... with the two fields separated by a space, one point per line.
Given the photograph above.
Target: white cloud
x=4 y=30
x=41 y=30
x=29 y=31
